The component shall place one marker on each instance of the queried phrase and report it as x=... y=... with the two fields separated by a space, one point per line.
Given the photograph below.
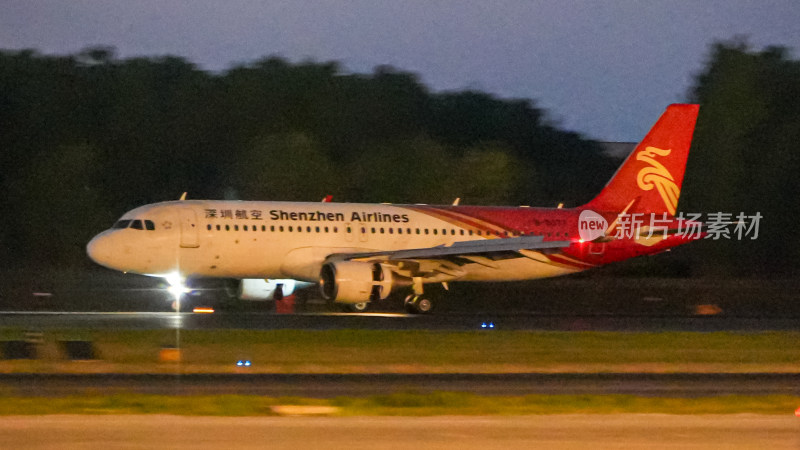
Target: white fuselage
x=249 y=239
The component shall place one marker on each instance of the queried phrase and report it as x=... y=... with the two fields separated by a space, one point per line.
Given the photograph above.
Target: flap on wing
x=463 y=248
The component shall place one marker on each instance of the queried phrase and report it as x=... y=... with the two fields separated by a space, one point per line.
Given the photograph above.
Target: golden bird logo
x=657 y=176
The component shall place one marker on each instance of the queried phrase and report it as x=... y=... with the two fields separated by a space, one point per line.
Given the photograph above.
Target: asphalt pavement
x=334 y=385
x=388 y=321
x=569 y=431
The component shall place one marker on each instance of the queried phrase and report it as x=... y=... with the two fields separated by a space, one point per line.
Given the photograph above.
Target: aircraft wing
x=447 y=259
x=469 y=248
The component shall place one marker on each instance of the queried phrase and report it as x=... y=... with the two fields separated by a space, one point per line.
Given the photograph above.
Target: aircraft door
x=189 y=235
x=361 y=229
x=348 y=235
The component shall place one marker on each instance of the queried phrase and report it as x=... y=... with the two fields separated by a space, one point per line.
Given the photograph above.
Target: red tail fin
x=650 y=178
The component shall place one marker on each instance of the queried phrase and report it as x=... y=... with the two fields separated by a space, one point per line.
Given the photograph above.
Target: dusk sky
x=606 y=69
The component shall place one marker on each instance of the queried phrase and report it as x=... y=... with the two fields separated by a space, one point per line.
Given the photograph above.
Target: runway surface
x=387 y=321
x=651 y=431
x=333 y=385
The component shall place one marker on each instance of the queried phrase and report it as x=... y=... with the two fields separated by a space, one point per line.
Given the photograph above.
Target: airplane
x=360 y=253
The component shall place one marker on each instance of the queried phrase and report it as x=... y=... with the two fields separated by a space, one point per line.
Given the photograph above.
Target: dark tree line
x=746 y=156
x=88 y=136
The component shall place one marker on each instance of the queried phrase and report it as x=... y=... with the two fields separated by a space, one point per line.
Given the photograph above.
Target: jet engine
x=356 y=282
x=257 y=289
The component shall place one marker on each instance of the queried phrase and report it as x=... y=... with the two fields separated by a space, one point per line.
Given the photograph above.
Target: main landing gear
x=356 y=307
x=417 y=304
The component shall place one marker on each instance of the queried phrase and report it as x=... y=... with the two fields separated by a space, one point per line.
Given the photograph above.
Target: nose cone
x=99 y=249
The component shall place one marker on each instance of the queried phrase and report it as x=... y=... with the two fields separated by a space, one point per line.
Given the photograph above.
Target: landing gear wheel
x=356 y=307
x=414 y=304
x=182 y=306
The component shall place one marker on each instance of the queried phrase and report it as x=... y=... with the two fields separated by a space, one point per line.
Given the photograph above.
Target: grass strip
x=420 y=351
x=400 y=404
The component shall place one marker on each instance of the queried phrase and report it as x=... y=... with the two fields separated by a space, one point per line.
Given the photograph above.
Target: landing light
x=243 y=363
x=176 y=286
x=178 y=290
x=200 y=310
x=487 y=325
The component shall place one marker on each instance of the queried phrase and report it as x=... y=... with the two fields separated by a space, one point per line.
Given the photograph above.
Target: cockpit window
x=121 y=224
x=137 y=225
x=148 y=224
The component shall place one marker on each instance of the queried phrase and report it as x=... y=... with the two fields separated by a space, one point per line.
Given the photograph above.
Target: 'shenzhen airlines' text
x=306 y=216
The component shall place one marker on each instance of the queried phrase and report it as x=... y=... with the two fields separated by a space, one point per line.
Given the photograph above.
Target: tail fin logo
x=657 y=176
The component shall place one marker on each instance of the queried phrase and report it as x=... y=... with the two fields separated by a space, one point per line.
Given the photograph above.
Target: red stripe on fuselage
x=462 y=220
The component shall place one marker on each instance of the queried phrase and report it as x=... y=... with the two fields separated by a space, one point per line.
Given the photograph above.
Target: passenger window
x=317 y=229
x=291 y=229
x=327 y=231
x=373 y=230
x=218 y=227
x=308 y=229
x=426 y=231
x=349 y=230
x=149 y=225
x=435 y=231
x=137 y=225
x=452 y=231
x=227 y=228
x=335 y=229
x=245 y=228
x=208 y=227
x=381 y=230
x=236 y=228
x=280 y=228
x=399 y=230
x=263 y=228
x=391 y=230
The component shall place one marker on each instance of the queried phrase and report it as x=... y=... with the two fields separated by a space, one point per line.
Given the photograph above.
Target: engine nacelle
x=257 y=289
x=357 y=282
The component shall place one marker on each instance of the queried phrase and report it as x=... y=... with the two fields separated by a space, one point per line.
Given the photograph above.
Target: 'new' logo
x=591 y=225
